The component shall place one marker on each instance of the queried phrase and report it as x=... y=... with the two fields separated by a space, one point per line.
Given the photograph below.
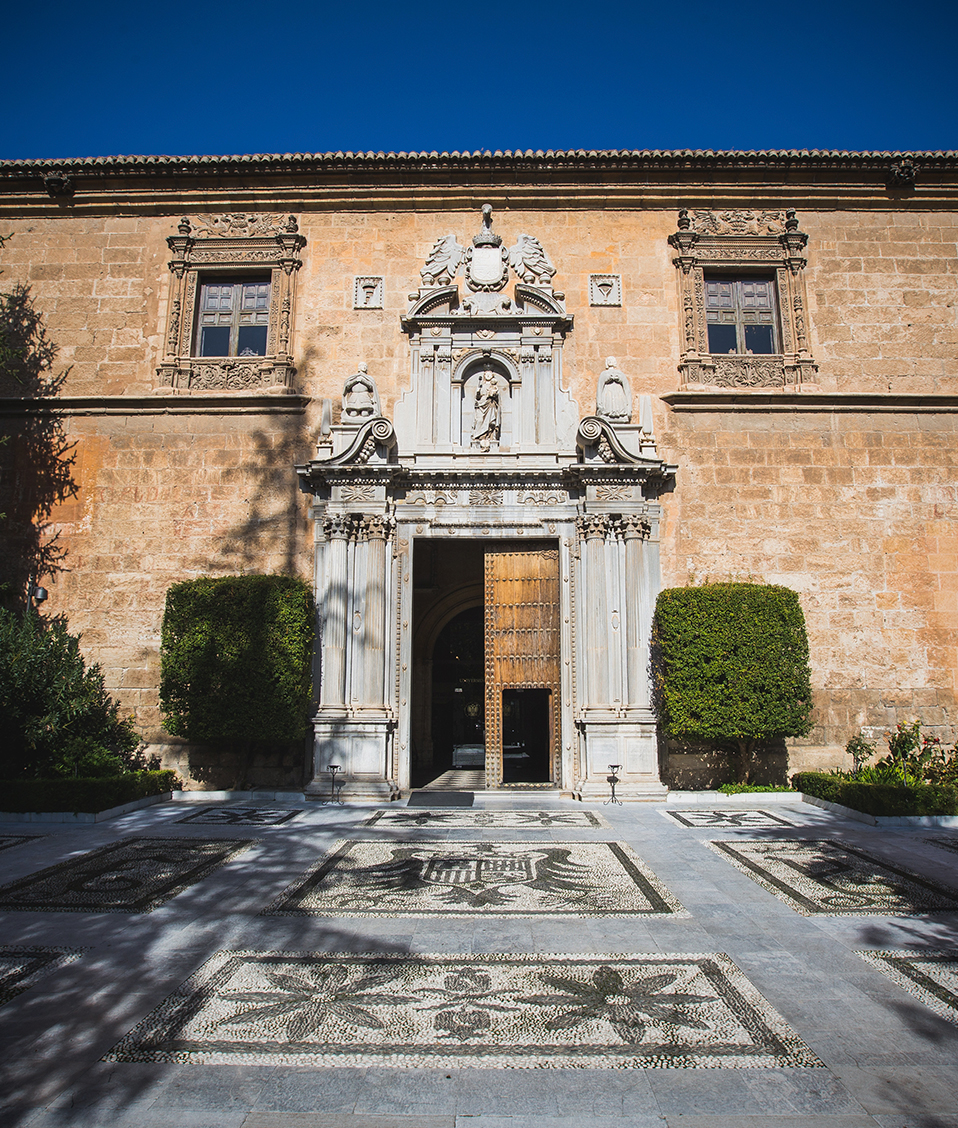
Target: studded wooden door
x=522 y=645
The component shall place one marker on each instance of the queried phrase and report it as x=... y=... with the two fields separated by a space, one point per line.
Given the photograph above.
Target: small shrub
x=57 y=715
x=860 y=750
x=730 y=665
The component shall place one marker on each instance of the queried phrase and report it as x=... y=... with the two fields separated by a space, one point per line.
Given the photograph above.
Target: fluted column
x=634 y=531
x=376 y=532
x=333 y=694
x=595 y=603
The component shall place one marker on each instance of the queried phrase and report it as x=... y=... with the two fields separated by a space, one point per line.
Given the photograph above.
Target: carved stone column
x=634 y=531
x=595 y=680
x=337 y=530
x=353 y=727
x=615 y=723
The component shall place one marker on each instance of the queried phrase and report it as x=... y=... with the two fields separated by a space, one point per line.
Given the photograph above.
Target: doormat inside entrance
x=526 y=879
x=441 y=799
x=448 y=1011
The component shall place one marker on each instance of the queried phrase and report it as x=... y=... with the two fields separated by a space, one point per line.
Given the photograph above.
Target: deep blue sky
x=111 y=77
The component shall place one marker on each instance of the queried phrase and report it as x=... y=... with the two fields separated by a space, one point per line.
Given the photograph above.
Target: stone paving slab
x=889 y=1059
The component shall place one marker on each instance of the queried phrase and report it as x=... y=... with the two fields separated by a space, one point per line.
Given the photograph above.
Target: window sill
x=808 y=398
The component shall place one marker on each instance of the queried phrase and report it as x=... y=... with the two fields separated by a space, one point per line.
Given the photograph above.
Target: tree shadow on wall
x=36 y=471
x=270 y=535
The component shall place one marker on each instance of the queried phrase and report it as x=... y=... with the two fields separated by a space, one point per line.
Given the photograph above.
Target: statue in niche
x=487 y=418
x=360 y=397
x=443 y=263
x=613 y=399
x=530 y=262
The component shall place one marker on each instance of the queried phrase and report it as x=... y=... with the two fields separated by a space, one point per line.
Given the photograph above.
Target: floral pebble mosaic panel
x=241 y=816
x=833 y=879
x=21 y=967
x=448 y=1011
x=493 y=820
x=134 y=875
x=728 y=820
x=929 y=974
x=367 y=878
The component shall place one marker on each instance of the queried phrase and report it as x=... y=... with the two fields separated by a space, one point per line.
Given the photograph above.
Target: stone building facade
x=490 y=434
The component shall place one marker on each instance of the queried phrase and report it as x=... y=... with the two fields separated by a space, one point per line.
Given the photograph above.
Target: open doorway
x=526 y=735
x=485 y=623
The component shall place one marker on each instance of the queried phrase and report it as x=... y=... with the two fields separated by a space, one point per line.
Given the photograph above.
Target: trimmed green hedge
x=237 y=658
x=730 y=665
x=879 y=799
x=89 y=795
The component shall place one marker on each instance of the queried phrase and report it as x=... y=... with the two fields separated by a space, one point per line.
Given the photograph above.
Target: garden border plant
x=919 y=776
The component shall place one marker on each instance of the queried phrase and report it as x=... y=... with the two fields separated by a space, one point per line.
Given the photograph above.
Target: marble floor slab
x=929 y=974
x=745 y=820
x=494 y=1012
x=241 y=816
x=835 y=879
x=473 y=819
x=373 y=878
x=134 y=875
x=22 y=966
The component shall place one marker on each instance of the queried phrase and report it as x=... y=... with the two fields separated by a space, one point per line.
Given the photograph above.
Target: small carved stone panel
x=605 y=290
x=368 y=293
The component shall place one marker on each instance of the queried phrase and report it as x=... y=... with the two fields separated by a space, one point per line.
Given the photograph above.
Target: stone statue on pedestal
x=613 y=398
x=360 y=397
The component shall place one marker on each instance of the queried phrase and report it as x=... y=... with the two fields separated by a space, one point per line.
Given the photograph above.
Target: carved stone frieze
x=748 y=372
x=738 y=221
x=542 y=497
x=607 y=491
x=239 y=225
x=360 y=493
x=234 y=375
x=485 y=497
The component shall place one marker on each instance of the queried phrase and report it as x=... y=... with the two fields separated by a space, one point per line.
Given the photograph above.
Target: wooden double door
x=522 y=663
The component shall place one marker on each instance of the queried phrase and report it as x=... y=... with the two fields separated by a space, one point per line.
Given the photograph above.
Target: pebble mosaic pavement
x=734 y=1012
x=728 y=820
x=362 y=878
x=136 y=875
x=487 y=820
x=492 y=1012
x=241 y=816
x=832 y=879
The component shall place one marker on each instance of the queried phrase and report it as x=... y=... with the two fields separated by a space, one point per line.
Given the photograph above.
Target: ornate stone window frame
x=738 y=242
x=225 y=245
